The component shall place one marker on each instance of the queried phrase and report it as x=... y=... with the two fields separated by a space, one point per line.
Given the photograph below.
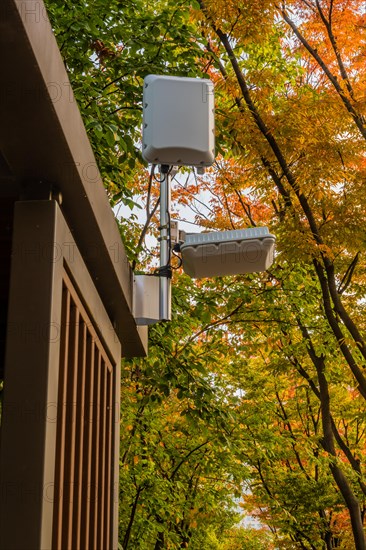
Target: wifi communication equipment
x=179 y=130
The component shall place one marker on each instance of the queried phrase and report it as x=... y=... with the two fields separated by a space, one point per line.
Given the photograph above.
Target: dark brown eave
x=42 y=138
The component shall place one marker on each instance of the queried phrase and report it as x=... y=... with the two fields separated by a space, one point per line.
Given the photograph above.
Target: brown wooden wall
x=6 y=227
x=59 y=475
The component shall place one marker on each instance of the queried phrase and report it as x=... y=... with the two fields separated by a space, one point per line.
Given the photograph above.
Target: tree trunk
x=338 y=475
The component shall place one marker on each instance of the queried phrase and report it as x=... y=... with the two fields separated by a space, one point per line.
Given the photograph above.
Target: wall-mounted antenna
x=179 y=130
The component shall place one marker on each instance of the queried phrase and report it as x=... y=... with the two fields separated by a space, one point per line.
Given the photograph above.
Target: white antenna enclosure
x=178 y=121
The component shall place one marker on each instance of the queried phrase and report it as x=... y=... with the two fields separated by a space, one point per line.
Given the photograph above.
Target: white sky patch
x=184 y=214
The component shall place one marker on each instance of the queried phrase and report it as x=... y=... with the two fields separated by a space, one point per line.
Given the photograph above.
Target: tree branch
x=333 y=79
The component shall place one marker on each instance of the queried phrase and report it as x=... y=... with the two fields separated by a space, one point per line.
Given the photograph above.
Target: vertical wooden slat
x=79 y=438
x=93 y=545
x=109 y=462
x=116 y=391
x=88 y=441
x=68 y=502
x=61 y=420
x=102 y=453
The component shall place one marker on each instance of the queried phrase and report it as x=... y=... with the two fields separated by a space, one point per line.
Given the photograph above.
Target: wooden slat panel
x=86 y=459
x=84 y=314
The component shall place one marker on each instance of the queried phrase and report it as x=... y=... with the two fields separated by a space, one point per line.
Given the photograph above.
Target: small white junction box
x=227 y=252
x=146 y=299
x=178 y=121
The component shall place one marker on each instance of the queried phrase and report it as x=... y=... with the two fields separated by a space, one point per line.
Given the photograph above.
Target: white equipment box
x=178 y=121
x=146 y=299
x=227 y=252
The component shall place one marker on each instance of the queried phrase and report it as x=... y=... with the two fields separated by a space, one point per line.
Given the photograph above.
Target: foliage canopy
x=253 y=398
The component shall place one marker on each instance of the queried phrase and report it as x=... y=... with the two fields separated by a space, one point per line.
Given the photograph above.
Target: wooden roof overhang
x=43 y=139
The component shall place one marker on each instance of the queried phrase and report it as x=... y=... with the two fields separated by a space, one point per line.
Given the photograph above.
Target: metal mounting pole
x=165 y=269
